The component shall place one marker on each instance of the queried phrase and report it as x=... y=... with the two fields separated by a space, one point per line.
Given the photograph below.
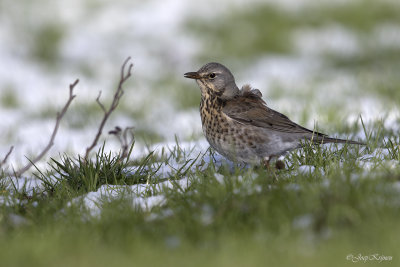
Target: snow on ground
x=93 y=200
x=146 y=196
x=99 y=38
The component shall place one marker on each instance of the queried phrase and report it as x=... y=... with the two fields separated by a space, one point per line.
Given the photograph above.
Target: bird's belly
x=235 y=142
x=243 y=143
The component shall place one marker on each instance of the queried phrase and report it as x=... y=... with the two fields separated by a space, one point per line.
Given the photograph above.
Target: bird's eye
x=211 y=75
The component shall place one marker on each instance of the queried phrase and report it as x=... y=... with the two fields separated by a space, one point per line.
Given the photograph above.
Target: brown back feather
x=249 y=108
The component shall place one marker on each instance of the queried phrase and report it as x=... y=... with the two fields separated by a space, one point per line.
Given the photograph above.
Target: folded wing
x=249 y=108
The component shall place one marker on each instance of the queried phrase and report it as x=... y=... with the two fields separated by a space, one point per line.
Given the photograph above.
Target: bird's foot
x=279 y=164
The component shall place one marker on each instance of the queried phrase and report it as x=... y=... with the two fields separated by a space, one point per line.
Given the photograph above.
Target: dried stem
x=126 y=138
x=117 y=96
x=100 y=104
x=6 y=157
x=60 y=115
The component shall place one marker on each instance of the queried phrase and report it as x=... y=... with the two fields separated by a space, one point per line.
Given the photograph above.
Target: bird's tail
x=325 y=139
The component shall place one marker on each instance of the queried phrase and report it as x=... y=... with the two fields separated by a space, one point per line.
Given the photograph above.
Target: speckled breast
x=229 y=138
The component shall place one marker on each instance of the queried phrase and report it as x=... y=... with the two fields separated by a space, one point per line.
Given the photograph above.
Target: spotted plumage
x=238 y=124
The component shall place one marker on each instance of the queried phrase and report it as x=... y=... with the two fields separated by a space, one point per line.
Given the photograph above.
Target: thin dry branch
x=126 y=137
x=100 y=104
x=6 y=157
x=127 y=143
x=60 y=115
x=117 y=96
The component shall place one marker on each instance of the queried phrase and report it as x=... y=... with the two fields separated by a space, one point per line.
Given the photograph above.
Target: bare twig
x=126 y=138
x=6 y=157
x=126 y=145
x=100 y=104
x=117 y=96
x=117 y=133
x=60 y=115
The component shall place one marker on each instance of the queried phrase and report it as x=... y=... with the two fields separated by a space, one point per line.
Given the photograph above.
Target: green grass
x=359 y=15
x=47 y=41
x=9 y=98
x=245 y=33
x=246 y=217
x=386 y=87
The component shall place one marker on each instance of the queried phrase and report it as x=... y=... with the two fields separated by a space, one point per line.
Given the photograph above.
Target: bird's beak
x=192 y=75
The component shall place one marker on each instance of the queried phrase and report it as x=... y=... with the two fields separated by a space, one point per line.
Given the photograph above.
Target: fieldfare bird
x=238 y=124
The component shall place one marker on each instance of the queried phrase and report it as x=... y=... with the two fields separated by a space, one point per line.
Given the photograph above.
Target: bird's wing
x=252 y=110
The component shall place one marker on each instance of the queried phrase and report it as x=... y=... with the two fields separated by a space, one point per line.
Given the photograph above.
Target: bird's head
x=215 y=79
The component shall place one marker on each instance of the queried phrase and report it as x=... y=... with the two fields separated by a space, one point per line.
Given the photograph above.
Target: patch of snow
x=387 y=36
x=396 y=186
x=303 y=222
x=17 y=220
x=291 y=73
x=9 y=201
x=93 y=200
x=306 y=169
x=220 y=178
x=23 y=184
x=172 y=242
x=379 y=153
x=207 y=215
x=293 y=187
x=331 y=39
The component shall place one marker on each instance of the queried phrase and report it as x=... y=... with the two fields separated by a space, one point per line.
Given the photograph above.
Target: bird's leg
x=266 y=161
x=269 y=168
x=279 y=165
